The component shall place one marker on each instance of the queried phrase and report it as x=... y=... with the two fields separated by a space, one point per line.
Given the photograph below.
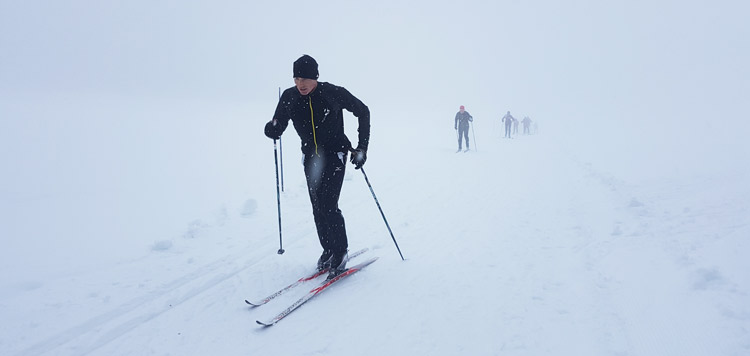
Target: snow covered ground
x=144 y=236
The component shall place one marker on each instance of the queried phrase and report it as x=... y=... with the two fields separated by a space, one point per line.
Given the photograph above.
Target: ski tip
x=251 y=303
x=264 y=324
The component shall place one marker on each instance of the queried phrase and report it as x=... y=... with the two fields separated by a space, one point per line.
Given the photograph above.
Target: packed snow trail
x=535 y=246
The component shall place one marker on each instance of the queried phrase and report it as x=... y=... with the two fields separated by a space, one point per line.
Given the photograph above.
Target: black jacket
x=462 y=119
x=322 y=109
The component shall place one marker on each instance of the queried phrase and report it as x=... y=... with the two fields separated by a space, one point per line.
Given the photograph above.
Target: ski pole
x=281 y=162
x=381 y=212
x=281 y=154
x=278 y=195
x=473 y=137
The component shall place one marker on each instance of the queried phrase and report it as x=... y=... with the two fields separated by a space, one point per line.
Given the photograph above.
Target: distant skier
x=508 y=120
x=462 y=126
x=316 y=110
x=526 y=123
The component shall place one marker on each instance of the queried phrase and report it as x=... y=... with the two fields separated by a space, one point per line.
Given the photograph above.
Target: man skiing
x=526 y=123
x=508 y=120
x=462 y=126
x=316 y=111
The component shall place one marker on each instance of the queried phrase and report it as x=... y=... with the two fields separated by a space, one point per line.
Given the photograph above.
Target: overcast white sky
x=594 y=64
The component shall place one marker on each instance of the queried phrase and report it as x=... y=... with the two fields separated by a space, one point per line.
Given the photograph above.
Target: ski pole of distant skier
x=278 y=195
x=281 y=154
x=381 y=212
x=473 y=137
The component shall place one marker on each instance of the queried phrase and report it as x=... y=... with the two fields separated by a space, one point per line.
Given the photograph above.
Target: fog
x=602 y=69
x=117 y=105
x=137 y=198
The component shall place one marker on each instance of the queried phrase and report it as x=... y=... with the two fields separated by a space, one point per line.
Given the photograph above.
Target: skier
x=508 y=120
x=526 y=123
x=462 y=126
x=316 y=111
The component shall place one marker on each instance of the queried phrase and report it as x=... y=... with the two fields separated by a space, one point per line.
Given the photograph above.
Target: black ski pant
x=325 y=176
x=507 y=130
x=463 y=132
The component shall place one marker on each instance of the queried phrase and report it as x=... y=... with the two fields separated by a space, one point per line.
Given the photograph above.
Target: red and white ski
x=315 y=291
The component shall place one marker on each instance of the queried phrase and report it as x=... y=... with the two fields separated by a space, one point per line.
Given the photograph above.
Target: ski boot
x=337 y=263
x=324 y=262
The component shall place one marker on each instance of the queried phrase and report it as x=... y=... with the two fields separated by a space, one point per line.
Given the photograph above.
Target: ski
x=309 y=277
x=315 y=291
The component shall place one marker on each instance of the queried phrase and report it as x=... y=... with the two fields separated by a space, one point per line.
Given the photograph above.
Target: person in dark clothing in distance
x=316 y=111
x=461 y=125
x=508 y=120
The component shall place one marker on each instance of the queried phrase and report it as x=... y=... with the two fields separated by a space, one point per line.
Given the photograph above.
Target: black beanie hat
x=306 y=67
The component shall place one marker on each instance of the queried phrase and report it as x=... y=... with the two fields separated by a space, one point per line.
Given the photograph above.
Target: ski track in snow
x=102 y=329
x=651 y=234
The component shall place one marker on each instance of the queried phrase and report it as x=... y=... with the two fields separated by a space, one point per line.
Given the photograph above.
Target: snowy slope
x=529 y=246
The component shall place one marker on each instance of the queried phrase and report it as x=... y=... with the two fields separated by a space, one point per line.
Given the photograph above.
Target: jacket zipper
x=312 y=119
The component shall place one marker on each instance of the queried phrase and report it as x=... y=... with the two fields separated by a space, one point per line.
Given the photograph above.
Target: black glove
x=273 y=130
x=359 y=156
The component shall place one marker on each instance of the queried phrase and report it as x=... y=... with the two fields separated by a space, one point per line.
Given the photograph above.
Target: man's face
x=461 y=109
x=305 y=86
